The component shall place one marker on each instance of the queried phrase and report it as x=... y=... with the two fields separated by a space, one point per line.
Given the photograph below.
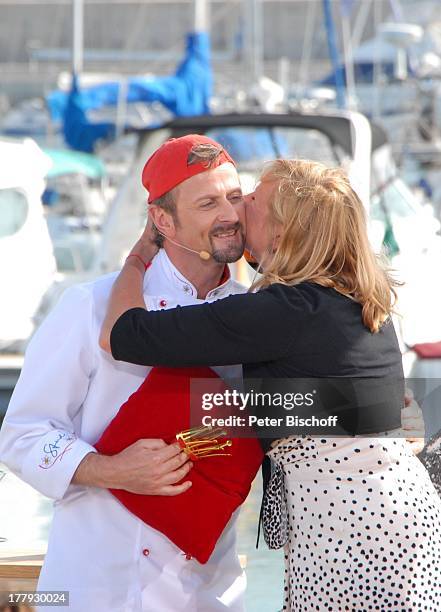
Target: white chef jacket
x=68 y=392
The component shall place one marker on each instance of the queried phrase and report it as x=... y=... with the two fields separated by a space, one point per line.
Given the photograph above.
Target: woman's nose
x=248 y=200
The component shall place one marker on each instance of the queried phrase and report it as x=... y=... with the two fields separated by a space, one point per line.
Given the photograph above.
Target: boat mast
x=201 y=15
x=351 y=96
x=77 y=36
x=253 y=23
x=333 y=53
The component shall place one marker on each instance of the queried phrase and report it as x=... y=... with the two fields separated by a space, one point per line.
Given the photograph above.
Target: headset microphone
x=204 y=255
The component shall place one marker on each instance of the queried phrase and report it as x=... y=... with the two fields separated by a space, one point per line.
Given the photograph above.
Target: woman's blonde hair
x=324 y=238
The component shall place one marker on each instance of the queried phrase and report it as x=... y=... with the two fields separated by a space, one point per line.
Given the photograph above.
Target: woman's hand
x=127 y=291
x=145 y=247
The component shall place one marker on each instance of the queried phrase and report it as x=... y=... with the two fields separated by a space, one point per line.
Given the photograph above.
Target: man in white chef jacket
x=69 y=390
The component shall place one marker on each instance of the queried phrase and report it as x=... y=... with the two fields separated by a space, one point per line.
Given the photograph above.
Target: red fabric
x=194 y=520
x=226 y=275
x=428 y=350
x=249 y=257
x=168 y=166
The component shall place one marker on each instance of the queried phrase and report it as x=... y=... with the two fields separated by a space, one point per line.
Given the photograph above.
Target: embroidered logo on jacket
x=54 y=451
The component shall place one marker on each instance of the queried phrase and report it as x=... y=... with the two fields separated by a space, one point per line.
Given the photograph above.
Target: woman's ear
x=163 y=221
x=276 y=241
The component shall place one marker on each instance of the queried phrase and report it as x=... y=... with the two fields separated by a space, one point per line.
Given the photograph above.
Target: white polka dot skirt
x=364 y=526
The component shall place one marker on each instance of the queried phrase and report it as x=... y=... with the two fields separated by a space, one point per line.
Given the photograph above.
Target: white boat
x=27 y=263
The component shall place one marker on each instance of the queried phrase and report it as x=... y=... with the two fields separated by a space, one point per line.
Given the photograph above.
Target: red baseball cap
x=171 y=164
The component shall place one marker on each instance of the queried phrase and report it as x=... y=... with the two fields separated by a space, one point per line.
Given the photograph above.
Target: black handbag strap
x=266 y=477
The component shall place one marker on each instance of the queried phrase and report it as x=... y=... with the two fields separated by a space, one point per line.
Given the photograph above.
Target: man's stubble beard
x=231 y=253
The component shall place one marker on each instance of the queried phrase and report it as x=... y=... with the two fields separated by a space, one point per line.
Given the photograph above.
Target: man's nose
x=229 y=212
x=240 y=211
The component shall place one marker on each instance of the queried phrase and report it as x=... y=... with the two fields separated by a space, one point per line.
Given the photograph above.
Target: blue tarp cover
x=187 y=93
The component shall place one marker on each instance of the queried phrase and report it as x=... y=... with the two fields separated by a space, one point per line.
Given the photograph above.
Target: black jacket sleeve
x=246 y=328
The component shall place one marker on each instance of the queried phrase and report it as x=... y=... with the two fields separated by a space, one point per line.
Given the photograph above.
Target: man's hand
x=412 y=422
x=146 y=467
x=152 y=467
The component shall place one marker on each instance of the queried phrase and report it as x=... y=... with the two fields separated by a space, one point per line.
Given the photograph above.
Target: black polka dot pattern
x=364 y=527
x=431 y=459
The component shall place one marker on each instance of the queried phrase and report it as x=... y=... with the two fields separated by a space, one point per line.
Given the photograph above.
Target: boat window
x=393 y=201
x=250 y=147
x=13 y=211
x=75 y=253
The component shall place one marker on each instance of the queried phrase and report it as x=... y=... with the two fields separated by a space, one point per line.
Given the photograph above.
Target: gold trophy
x=201 y=442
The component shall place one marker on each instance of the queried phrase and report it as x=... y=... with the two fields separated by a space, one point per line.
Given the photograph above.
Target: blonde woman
x=364 y=518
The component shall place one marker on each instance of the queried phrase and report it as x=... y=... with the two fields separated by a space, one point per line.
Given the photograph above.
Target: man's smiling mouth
x=226 y=234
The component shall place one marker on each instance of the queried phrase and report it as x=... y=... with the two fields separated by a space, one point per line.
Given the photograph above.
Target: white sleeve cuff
x=51 y=463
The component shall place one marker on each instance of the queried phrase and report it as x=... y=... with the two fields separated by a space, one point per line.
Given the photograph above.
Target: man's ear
x=162 y=220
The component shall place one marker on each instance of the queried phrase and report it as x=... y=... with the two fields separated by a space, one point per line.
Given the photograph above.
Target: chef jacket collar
x=166 y=276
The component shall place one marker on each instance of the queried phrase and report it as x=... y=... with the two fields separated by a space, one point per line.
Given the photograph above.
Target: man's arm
x=37 y=439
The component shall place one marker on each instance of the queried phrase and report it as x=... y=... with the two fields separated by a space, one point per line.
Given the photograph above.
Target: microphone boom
x=204 y=255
